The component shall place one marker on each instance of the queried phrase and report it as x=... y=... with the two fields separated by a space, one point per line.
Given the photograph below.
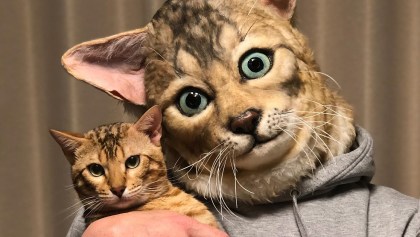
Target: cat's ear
x=113 y=64
x=285 y=8
x=68 y=142
x=151 y=124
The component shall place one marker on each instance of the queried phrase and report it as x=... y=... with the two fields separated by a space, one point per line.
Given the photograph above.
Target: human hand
x=151 y=223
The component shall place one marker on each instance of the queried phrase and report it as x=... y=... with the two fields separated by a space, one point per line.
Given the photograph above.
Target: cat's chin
x=123 y=203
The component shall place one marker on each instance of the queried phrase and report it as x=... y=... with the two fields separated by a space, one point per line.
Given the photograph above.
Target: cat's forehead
x=108 y=137
x=109 y=131
x=182 y=15
x=192 y=26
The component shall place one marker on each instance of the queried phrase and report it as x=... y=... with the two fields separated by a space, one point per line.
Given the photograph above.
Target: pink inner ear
x=156 y=136
x=151 y=124
x=119 y=83
x=284 y=7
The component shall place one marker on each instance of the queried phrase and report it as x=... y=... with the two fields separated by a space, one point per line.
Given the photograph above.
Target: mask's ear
x=113 y=64
x=68 y=142
x=151 y=124
x=285 y=8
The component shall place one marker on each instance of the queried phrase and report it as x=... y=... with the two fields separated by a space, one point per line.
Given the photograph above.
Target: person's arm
x=150 y=223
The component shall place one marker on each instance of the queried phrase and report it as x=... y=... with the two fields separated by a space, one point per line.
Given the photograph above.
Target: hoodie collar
x=347 y=168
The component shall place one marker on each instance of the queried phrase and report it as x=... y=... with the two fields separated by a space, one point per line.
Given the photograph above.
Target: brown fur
x=146 y=187
x=299 y=123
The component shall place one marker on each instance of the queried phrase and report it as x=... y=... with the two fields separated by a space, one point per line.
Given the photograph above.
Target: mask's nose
x=246 y=123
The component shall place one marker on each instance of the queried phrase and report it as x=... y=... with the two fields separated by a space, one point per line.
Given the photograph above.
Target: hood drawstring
x=302 y=230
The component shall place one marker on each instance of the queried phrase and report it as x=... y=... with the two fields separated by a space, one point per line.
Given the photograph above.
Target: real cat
x=120 y=167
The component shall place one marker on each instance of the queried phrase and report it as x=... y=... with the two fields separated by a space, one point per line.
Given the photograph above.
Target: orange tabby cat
x=120 y=167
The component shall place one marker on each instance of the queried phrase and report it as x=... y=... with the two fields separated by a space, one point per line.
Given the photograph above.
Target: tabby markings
x=108 y=137
x=196 y=28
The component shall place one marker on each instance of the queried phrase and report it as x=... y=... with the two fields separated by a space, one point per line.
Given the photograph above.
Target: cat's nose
x=245 y=123
x=118 y=191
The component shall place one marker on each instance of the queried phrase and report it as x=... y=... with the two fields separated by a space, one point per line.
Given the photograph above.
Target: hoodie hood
x=350 y=167
x=347 y=168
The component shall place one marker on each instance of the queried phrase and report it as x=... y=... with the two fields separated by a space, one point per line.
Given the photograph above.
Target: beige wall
x=371 y=47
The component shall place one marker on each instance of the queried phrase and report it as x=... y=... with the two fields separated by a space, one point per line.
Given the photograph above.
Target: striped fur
x=145 y=187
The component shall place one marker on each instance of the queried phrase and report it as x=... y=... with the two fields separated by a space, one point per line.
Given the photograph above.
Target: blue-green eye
x=255 y=64
x=192 y=101
x=132 y=162
x=96 y=170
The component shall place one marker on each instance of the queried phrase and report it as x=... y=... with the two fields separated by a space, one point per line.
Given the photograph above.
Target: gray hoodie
x=338 y=200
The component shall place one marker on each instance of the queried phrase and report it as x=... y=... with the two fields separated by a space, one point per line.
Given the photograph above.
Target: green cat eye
x=96 y=170
x=255 y=64
x=132 y=162
x=192 y=101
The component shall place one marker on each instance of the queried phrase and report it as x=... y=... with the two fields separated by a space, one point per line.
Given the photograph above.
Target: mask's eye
x=192 y=101
x=132 y=162
x=255 y=64
x=96 y=170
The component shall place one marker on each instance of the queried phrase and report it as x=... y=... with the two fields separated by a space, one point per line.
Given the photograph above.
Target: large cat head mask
x=246 y=112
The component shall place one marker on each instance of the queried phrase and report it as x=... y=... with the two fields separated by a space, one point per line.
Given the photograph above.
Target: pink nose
x=245 y=123
x=118 y=191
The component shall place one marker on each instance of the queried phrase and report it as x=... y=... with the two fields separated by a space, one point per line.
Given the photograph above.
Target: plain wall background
x=371 y=47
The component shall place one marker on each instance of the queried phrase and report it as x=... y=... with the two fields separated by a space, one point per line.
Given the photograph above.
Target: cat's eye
x=255 y=63
x=132 y=162
x=192 y=101
x=96 y=170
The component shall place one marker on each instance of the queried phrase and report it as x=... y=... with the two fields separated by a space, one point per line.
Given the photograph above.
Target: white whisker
x=252 y=8
x=293 y=136
x=327 y=76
